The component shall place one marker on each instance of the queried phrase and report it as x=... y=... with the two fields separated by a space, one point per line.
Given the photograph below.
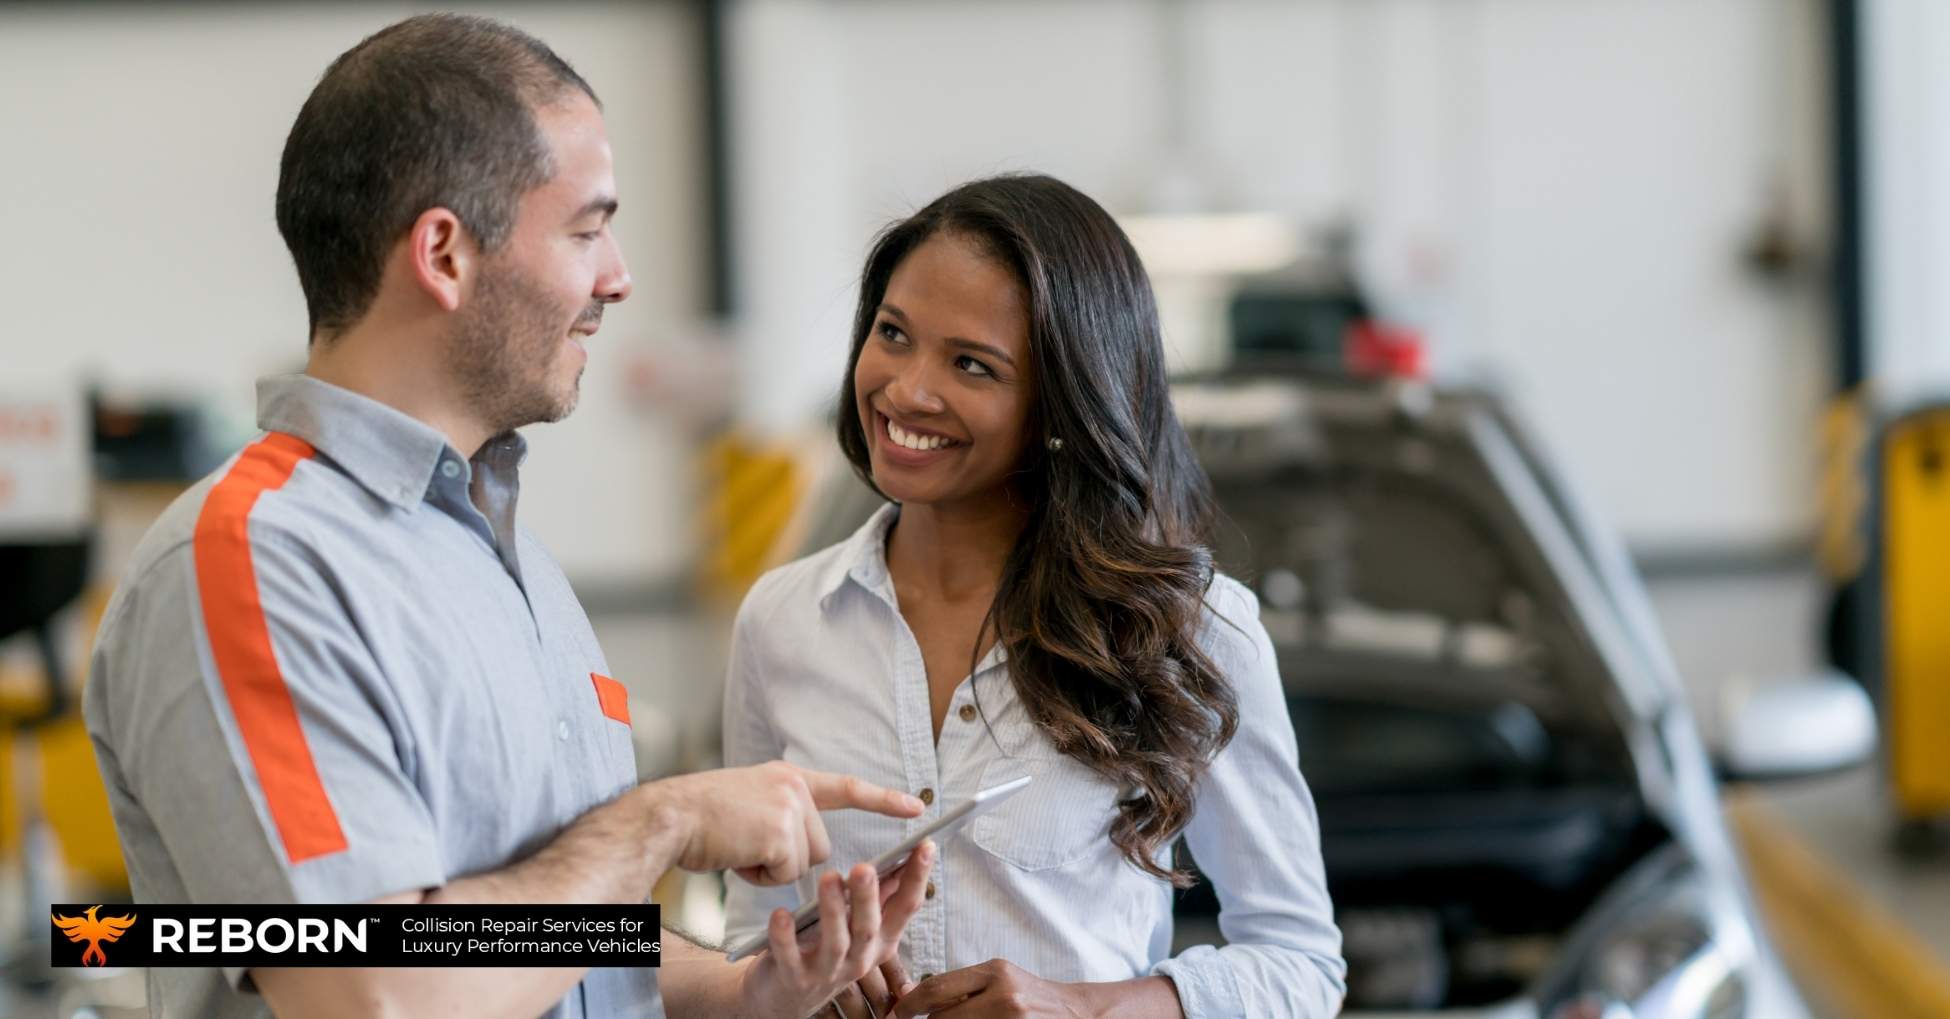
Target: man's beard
x=504 y=348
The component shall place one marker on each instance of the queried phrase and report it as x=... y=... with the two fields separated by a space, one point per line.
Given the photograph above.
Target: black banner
x=146 y=934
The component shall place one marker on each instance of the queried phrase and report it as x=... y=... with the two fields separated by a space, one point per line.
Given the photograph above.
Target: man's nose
x=614 y=284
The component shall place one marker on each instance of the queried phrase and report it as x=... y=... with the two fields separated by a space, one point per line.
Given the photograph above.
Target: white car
x=1519 y=818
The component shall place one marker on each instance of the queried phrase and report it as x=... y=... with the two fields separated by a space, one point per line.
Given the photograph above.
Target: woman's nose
x=912 y=391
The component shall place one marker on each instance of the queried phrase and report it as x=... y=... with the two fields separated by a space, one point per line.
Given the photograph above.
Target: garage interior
x=1574 y=376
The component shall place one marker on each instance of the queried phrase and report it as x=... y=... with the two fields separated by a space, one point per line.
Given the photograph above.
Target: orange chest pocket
x=614 y=697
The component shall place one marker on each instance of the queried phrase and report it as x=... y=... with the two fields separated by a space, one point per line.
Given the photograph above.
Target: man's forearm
x=697 y=982
x=613 y=854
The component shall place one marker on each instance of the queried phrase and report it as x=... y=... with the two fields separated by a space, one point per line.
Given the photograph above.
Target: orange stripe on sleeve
x=240 y=644
x=614 y=697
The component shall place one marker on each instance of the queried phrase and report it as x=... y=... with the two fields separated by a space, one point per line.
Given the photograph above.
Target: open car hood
x=1410 y=543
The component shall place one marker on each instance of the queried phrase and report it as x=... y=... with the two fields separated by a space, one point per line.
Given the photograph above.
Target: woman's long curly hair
x=1101 y=600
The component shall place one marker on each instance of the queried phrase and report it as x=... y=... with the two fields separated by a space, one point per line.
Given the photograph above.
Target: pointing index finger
x=834 y=792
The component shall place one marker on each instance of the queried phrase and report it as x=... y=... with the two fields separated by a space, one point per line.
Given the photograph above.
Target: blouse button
x=927 y=796
x=968 y=712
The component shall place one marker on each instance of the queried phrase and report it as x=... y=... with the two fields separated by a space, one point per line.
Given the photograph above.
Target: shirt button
x=450 y=468
x=562 y=731
x=968 y=712
x=930 y=893
x=927 y=796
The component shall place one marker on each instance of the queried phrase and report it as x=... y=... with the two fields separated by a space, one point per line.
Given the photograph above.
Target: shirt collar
x=862 y=558
x=392 y=455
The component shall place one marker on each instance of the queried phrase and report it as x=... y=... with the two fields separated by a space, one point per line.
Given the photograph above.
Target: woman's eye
x=891 y=333
x=972 y=366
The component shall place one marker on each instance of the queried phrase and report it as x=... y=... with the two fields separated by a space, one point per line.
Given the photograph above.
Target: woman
x=1038 y=600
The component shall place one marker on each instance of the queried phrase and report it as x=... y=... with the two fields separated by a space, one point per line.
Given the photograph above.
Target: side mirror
x=1797 y=729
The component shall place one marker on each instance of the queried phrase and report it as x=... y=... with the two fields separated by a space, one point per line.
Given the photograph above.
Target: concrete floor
x=1845 y=819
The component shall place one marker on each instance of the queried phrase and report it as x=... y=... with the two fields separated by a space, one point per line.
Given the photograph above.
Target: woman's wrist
x=1153 y=997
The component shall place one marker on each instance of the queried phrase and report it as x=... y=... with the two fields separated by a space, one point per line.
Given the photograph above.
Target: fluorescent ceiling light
x=1216 y=244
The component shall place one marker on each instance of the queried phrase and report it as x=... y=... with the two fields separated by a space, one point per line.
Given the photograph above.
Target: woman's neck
x=954 y=551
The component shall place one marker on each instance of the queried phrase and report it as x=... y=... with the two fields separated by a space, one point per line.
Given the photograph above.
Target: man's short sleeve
x=255 y=733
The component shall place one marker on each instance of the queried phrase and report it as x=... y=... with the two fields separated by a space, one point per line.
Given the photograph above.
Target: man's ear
x=441 y=256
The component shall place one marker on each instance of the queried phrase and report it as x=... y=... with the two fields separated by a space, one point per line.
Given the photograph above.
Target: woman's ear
x=441 y=256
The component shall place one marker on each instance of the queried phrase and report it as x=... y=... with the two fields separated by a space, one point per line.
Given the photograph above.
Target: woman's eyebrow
x=962 y=342
x=987 y=348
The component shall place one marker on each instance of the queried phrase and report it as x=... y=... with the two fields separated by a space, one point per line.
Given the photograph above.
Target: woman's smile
x=912 y=446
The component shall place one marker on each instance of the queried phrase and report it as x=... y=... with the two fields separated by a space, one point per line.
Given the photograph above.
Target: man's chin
x=547 y=408
x=565 y=403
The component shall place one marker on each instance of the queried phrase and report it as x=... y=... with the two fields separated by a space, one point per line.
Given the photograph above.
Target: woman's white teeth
x=912 y=441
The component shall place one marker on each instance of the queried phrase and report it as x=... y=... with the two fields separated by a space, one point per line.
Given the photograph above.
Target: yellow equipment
x=1912 y=584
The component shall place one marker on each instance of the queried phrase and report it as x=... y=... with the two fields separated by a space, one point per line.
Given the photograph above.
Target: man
x=338 y=671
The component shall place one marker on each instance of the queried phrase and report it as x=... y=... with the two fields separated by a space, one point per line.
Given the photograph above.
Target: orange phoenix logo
x=95 y=932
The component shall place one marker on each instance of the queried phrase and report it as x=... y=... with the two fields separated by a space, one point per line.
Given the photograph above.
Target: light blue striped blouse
x=825 y=673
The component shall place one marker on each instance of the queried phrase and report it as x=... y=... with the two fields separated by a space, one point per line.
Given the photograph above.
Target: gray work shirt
x=338 y=669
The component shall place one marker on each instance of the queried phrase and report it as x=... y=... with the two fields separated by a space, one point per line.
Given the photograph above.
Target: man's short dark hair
x=435 y=111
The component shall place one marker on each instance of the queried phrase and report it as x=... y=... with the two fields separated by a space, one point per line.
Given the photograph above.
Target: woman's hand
x=873 y=997
x=1001 y=990
x=996 y=990
x=796 y=977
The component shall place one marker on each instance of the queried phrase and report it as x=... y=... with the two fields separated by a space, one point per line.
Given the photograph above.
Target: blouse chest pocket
x=1063 y=816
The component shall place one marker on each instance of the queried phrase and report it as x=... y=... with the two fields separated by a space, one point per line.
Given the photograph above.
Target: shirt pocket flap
x=1062 y=817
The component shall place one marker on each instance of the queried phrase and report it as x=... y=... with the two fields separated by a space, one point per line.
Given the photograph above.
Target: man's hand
x=795 y=976
x=763 y=822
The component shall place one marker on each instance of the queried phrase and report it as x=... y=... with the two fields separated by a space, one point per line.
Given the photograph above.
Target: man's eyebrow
x=605 y=204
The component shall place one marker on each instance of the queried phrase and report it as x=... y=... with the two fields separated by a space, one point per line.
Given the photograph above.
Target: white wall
x=140 y=162
x=1557 y=190
x=1906 y=57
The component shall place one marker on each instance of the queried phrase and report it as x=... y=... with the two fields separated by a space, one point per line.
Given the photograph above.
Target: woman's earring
x=1055 y=444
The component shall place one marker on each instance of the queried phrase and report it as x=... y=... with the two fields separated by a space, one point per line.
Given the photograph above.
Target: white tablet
x=890 y=861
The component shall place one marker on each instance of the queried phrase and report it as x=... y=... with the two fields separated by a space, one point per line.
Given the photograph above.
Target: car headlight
x=1660 y=948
